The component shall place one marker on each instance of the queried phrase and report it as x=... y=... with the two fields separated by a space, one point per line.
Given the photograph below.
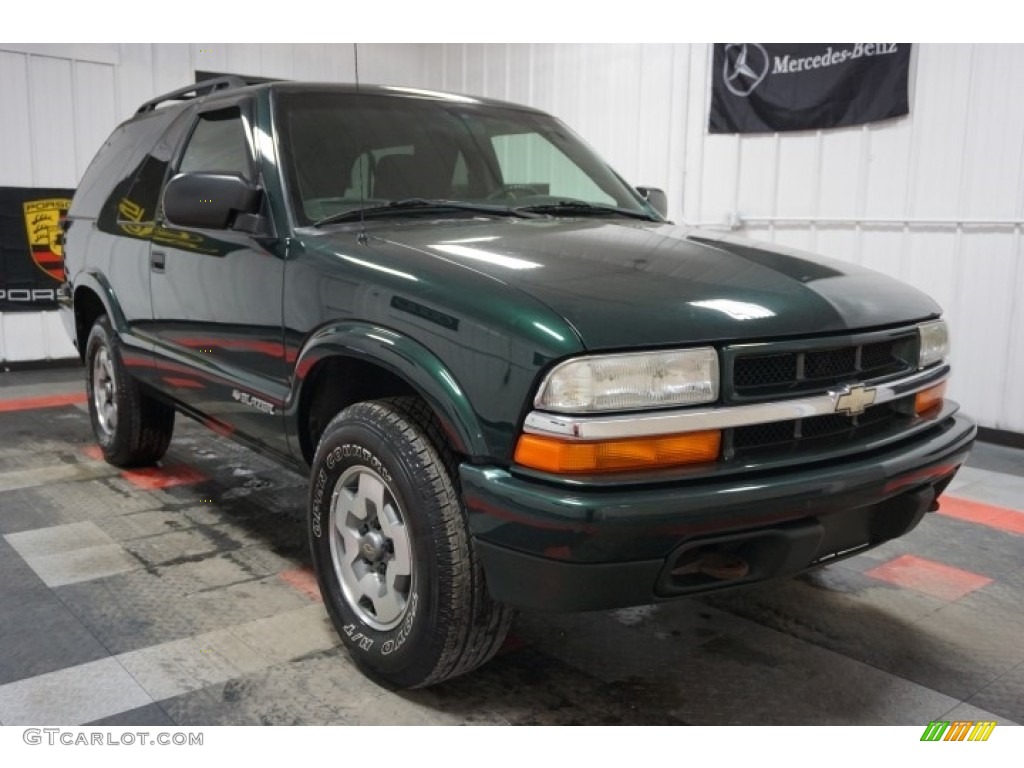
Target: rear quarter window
x=132 y=203
x=116 y=163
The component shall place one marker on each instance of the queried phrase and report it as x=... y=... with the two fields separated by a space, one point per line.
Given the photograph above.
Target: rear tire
x=392 y=551
x=132 y=428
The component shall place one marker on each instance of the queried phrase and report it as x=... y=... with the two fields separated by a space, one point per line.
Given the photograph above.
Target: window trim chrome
x=581 y=428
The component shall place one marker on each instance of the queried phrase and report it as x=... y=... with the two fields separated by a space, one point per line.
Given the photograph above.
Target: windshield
x=346 y=151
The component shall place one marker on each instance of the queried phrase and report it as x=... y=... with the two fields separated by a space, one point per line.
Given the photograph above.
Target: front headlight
x=934 y=343
x=631 y=381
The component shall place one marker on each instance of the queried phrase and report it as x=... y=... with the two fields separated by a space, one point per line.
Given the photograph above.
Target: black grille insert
x=781 y=373
x=818 y=432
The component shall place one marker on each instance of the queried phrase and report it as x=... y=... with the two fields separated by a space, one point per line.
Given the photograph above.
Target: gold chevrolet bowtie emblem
x=853 y=400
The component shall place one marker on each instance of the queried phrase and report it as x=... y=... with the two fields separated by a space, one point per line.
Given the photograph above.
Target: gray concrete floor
x=183 y=596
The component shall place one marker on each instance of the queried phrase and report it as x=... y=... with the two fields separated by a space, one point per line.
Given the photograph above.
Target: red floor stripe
x=1000 y=518
x=94 y=452
x=929 y=577
x=152 y=478
x=304 y=580
x=43 y=401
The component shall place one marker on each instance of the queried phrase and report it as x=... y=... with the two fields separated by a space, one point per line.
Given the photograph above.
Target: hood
x=628 y=284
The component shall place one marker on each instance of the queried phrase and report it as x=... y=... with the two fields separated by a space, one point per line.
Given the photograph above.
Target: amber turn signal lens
x=929 y=398
x=550 y=454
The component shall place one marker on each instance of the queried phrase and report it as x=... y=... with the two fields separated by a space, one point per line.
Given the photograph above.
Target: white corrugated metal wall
x=934 y=199
x=59 y=102
x=904 y=197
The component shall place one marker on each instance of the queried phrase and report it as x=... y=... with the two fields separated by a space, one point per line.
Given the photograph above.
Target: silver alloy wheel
x=370 y=548
x=103 y=388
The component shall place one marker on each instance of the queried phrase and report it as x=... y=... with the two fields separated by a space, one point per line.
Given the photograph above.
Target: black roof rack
x=195 y=91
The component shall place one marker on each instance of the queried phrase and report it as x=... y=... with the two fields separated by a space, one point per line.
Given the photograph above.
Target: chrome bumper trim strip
x=678 y=421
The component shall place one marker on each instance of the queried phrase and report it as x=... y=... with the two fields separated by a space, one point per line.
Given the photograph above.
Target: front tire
x=132 y=428
x=392 y=551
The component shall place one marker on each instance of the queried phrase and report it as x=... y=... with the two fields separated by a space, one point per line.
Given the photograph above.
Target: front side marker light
x=550 y=454
x=929 y=399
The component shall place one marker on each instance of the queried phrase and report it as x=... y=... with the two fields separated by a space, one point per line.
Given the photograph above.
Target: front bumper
x=573 y=547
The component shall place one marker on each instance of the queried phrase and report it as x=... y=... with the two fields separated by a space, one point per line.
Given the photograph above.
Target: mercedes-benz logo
x=746 y=65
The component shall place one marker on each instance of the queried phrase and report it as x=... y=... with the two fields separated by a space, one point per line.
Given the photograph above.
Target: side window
x=130 y=205
x=218 y=144
x=107 y=171
x=140 y=202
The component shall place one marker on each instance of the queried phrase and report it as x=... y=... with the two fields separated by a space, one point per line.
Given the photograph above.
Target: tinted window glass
x=132 y=201
x=529 y=162
x=116 y=163
x=343 y=150
x=141 y=202
x=217 y=144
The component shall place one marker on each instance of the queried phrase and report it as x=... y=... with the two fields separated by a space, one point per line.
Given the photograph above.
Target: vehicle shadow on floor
x=820 y=649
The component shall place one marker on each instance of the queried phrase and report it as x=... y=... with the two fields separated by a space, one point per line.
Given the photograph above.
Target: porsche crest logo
x=42 y=221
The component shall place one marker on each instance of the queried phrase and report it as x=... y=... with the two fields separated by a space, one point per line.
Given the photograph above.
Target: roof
x=233 y=83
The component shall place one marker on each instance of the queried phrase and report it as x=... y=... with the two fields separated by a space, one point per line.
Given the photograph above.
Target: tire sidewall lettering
x=404 y=630
x=318 y=497
x=334 y=459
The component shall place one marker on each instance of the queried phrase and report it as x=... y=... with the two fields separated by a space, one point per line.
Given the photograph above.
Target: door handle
x=156 y=261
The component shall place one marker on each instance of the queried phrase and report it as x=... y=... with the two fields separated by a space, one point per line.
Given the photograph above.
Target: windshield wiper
x=415 y=205
x=581 y=208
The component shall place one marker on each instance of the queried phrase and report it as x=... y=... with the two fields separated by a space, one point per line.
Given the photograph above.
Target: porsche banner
x=769 y=87
x=31 y=256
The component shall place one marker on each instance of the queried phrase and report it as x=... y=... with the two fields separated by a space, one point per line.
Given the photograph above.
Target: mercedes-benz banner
x=769 y=87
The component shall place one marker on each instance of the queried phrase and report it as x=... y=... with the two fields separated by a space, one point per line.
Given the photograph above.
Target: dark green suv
x=510 y=380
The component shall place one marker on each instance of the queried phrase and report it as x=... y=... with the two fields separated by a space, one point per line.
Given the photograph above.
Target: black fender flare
x=402 y=356
x=98 y=284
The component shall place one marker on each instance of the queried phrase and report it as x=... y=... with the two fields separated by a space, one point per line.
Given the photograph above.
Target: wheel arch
x=349 y=362
x=93 y=296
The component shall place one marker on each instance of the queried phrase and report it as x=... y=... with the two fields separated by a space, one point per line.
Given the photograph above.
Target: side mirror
x=209 y=200
x=656 y=198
